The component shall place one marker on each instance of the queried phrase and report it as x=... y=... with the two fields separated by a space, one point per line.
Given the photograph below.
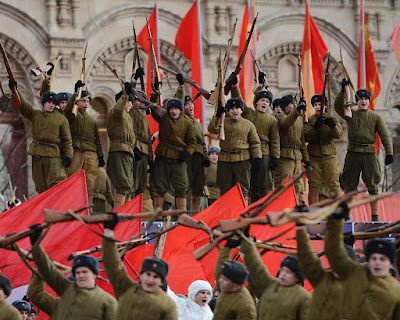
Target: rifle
x=347 y=76
x=83 y=73
x=44 y=70
x=15 y=97
x=229 y=49
x=259 y=68
x=154 y=64
x=136 y=57
x=300 y=84
x=323 y=100
x=228 y=83
x=221 y=100
x=189 y=222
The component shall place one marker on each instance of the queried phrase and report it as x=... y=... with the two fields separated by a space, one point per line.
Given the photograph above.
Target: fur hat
x=197 y=286
x=292 y=263
x=84 y=260
x=174 y=103
x=234 y=102
x=318 y=98
x=33 y=310
x=381 y=246
x=49 y=97
x=5 y=284
x=263 y=94
x=275 y=103
x=188 y=99
x=235 y=271
x=363 y=93
x=22 y=305
x=214 y=149
x=285 y=100
x=156 y=265
x=86 y=94
x=119 y=95
x=63 y=96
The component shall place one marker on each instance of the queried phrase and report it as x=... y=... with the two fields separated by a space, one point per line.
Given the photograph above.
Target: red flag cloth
x=395 y=42
x=313 y=51
x=188 y=41
x=368 y=75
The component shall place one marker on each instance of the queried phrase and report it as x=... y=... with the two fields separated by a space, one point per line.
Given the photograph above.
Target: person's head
x=5 y=287
x=63 y=98
x=132 y=99
x=380 y=255
x=200 y=292
x=290 y=274
x=137 y=103
x=213 y=153
x=316 y=102
x=32 y=314
x=363 y=97
x=276 y=108
x=262 y=100
x=235 y=107
x=23 y=307
x=49 y=101
x=174 y=108
x=287 y=103
x=85 y=270
x=153 y=273
x=233 y=275
x=188 y=107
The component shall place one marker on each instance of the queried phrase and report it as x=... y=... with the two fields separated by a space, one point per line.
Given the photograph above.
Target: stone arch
x=393 y=96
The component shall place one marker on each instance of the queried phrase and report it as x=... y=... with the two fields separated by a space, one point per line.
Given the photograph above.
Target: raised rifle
x=83 y=73
x=136 y=57
x=229 y=49
x=326 y=80
x=347 y=76
x=154 y=64
x=229 y=83
x=259 y=68
x=46 y=68
x=15 y=97
x=221 y=100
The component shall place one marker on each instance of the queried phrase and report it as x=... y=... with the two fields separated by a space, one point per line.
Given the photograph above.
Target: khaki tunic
x=211 y=181
x=365 y=297
x=75 y=302
x=8 y=312
x=134 y=302
x=102 y=190
x=142 y=131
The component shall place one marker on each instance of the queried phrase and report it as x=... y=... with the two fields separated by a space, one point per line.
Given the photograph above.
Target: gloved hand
x=389 y=159
x=111 y=224
x=66 y=161
x=307 y=164
x=184 y=155
x=343 y=212
x=179 y=77
x=261 y=77
x=274 y=163
x=234 y=78
x=232 y=242
x=128 y=88
x=344 y=84
x=12 y=84
x=256 y=163
x=220 y=111
x=302 y=105
x=318 y=123
x=137 y=154
x=206 y=163
x=330 y=123
x=157 y=84
x=36 y=234
x=101 y=161
x=139 y=72
x=78 y=85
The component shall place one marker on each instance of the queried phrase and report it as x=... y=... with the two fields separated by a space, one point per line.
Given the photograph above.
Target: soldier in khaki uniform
x=267 y=128
x=276 y=108
x=103 y=198
x=41 y=299
x=293 y=148
x=7 y=311
x=51 y=147
x=122 y=136
x=88 y=154
x=62 y=97
x=319 y=132
x=211 y=175
x=241 y=142
x=177 y=144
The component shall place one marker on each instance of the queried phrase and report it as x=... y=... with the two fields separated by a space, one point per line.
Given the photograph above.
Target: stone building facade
x=35 y=31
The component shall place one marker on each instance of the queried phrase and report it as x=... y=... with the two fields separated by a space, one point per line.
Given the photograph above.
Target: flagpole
x=203 y=111
x=157 y=39
x=363 y=65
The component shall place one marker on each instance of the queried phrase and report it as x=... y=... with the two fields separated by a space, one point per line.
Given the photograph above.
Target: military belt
x=173 y=147
x=264 y=142
x=290 y=147
x=124 y=142
x=100 y=192
x=361 y=144
x=45 y=144
x=84 y=139
x=142 y=140
x=233 y=151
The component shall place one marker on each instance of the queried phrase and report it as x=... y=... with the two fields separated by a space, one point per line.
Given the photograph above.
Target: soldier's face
x=32 y=316
x=317 y=107
x=189 y=108
x=174 y=113
x=150 y=281
x=83 y=104
x=24 y=315
x=85 y=278
x=235 y=113
x=213 y=157
x=379 y=265
x=363 y=103
x=287 y=278
x=202 y=297
x=289 y=108
x=49 y=106
x=2 y=295
x=277 y=110
x=227 y=285
x=262 y=105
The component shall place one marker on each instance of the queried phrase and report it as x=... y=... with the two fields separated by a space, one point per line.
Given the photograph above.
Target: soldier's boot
x=312 y=198
x=180 y=203
x=158 y=202
x=374 y=211
x=195 y=203
x=119 y=200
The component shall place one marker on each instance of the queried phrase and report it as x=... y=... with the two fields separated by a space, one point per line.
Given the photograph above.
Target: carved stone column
x=64 y=14
x=51 y=7
x=75 y=13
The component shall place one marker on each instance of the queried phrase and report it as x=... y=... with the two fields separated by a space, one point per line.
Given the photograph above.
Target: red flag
x=188 y=40
x=313 y=51
x=368 y=75
x=395 y=42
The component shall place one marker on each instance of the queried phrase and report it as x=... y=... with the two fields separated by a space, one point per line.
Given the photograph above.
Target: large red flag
x=395 y=42
x=188 y=40
x=313 y=51
x=368 y=75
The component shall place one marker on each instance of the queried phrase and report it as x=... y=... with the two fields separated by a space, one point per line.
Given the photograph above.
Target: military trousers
x=230 y=173
x=99 y=205
x=120 y=171
x=169 y=173
x=196 y=175
x=140 y=168
x=86 y=160
x=47 y=172
x=290 y=168
x=261 y=182
x=325 y=171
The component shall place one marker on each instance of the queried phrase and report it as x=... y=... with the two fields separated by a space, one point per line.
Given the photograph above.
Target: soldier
x=177 y=144
x=32 y=314
x=281 y=298
x=319 y=132
x=81 y=299
x=267 y=128
x=234 y=301
x=23 y=307
x=7 y=311
x=63 y=98
x=293 y=148
x=51 y=147
x=103 y=197
x=143 y=300
x=276 y=108
x=361 y=157
x=241 y=143
x=122 y=136
x=88 y=154
x=211 y=175
x=370 y=291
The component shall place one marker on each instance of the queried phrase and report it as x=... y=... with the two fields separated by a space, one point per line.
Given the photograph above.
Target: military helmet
x=263 y=94
x=22 y=305
x=63 y=96
x=234 y=103
x=49 y=97
x=363 y=93
x=174 y=103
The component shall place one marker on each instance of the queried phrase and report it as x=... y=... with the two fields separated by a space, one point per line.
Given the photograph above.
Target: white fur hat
x=197 y=286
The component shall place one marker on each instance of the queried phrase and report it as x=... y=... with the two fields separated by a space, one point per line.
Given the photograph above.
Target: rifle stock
x=136 y=56
x=221 y=100
x=189 y=222
x=15 y=97
x=232 y=225
x=323 y=103
x=202 y=251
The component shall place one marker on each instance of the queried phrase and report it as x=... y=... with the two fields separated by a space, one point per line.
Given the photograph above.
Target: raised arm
x=285 y=121
x=340 y=105
x=26 y=107
x=46 y=86
x=70 y=111
x=224 y=255
x=40 y=297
